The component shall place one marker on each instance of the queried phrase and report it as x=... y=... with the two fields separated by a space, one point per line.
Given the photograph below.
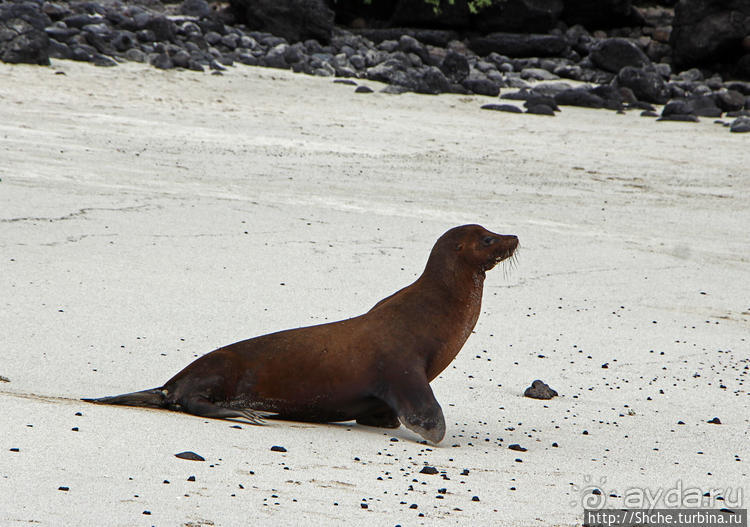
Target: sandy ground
x=148 y=217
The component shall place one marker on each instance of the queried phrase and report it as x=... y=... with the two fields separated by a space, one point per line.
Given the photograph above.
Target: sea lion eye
x=488 y=240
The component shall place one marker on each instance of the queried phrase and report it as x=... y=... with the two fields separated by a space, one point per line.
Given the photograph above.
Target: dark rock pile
x=623 y=69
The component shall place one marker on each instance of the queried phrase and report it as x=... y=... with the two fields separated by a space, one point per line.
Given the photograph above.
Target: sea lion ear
x=459 y=246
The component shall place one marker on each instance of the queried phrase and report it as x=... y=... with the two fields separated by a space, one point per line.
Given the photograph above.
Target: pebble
x=539 y=390
x=192 y=456
x=502 y=108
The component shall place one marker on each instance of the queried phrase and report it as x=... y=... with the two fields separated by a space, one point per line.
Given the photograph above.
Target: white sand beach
x=149 y=217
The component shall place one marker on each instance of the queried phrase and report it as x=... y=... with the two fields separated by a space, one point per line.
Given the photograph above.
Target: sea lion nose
x=511 y=240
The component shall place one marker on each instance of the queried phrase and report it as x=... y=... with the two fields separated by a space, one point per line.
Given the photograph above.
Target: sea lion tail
x=154 y=398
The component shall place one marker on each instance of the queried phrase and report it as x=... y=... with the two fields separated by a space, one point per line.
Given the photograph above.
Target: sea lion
x=375 y=368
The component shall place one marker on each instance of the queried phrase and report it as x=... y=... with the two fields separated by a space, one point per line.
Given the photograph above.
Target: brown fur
x=375 y=368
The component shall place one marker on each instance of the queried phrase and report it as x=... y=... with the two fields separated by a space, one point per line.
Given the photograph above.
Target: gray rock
x=519 y=45
x=145 y=35
x=135 y=55
x=60 y=32
x=276 y=57
x=539 y=390
x=679 y=117
x=164 y=29
x=212 y=37
x=663 y=69
x=124 y=40
x=518 y=15
x=162 y=61
x=455 y=66
x=82 y=53
x=103 y=61
x=601 y=14
x=646 y=84
x=729 y=100
x=197 y=8
x=481 y=86
x=181 y=59
x=693 y=75
x=248 y=42
x=326 y=70
x=538 y=74
x=295 y=20
x=247 y=59
x=740 y=125
x=430 y=80
x=409 y=44
x=572 y=71
x=80 y=20
x=708 y=31
x=613 y=54
x=704 y=106
x=22 y=35
x=60 y=50
x=579 y=97
x=230 y=41
x=389 y=46
x=358 y=62
x=502 y=108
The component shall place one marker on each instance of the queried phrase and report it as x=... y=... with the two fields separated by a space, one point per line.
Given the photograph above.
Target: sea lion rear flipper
x=154 y=398
x=417 y=409
x=201 y=406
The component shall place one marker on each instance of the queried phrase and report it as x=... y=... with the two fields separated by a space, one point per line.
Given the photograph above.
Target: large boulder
x=601 y=14
x=519 y=45
x=500 y=15
x=22 y=36
x=294 y=20
x=709 y=32
x=523 y=16
x=613 y=54
x=646 y=84
x=419 y=13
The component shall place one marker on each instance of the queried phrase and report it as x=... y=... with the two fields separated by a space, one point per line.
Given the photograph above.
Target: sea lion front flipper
x=203 y=407
x=381 y=417
x=410 y=395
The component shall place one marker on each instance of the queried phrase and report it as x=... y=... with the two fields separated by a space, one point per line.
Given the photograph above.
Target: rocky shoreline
x=619 y=72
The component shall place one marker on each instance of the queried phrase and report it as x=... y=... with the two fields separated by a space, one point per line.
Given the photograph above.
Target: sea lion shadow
x=401 y=433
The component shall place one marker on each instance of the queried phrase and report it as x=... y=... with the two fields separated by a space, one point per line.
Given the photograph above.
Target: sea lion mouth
x=505 y=255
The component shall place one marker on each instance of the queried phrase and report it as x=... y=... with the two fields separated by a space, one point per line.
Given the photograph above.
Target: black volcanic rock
x=646 y=84
x=418 y=13
x=613 y=54
x=511 y=108
x=729 y=100
x=455 y=66
x=539 y=390
x=601 y=14
x=197 y=8
x=709 y=32
x=740 y=125
x=519 y=45
x=294 y=20
x=22 y=35
x=579 y=97
x=530 y=16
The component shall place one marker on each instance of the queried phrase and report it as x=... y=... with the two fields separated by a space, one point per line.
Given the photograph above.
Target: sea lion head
x=480 y=249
